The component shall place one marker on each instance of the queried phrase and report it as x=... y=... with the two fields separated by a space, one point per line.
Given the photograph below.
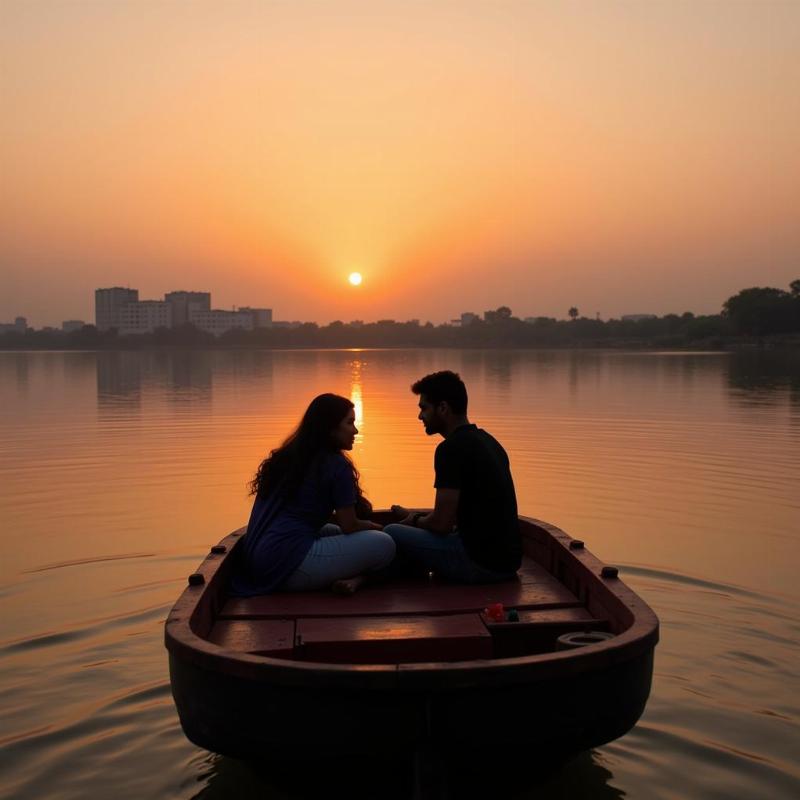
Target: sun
x=355 y=278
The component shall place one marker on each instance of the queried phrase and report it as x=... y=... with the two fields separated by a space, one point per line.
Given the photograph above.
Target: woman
x=288 y=546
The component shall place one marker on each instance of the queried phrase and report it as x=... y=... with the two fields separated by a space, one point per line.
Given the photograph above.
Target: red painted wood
x=550 y=616
x=537 y=631
x=390 y=640
x=535 y=574
x=535 y=588
x=271 y=637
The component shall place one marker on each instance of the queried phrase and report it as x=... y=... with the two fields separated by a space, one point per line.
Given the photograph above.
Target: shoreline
x=713 y=345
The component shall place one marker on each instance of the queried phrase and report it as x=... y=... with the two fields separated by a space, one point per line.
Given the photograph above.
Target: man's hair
x=444 y=386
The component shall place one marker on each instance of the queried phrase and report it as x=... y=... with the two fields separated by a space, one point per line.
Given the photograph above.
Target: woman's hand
x=349 y=523
x=401 y=512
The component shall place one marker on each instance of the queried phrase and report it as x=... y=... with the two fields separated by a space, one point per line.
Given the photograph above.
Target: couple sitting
x=471 y=536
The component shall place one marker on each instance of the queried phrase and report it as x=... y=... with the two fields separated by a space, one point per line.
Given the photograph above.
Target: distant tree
x=573 y=313
x=794 y=287
x=760 y=310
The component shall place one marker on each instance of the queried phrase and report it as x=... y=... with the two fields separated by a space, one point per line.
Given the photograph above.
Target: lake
x=119 y=469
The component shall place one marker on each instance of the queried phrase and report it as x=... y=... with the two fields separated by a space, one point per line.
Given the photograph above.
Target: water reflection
x=121 y=376
x=356 y=397
x=245 y=367
x=586 y=777
x=119 y=381
x=188 y=376
x=498 y=369
x=21 y=362
x=668 y=464
x=764 y=376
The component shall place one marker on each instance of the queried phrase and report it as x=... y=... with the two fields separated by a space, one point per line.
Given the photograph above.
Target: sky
x=621 y=157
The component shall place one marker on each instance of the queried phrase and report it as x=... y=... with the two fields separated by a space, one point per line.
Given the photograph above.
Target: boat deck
x=408 y=621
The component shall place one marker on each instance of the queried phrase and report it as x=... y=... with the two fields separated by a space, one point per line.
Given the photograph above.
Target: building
x=121 y=309
x=184 y=304
x=262 y=317
x=637 y=317
x=218 y=322
x=69 y=325
x=144 y=316
x=108 y=303
x=19 y=325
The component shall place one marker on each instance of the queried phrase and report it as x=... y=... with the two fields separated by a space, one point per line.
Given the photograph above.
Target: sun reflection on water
x=356 y=397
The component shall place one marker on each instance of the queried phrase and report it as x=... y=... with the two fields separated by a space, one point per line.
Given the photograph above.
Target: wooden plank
x=264 y=637
x=532 y=573
x=550 y=616
x=402 y=601
x=389 y=640
x=537 y=630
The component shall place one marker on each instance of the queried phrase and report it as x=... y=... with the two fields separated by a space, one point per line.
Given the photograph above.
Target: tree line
x=753 y=313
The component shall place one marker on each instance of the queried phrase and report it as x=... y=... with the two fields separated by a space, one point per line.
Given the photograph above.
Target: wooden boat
x=410 y=666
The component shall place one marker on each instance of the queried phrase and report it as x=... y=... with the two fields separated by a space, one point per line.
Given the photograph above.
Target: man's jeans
x=443 y=554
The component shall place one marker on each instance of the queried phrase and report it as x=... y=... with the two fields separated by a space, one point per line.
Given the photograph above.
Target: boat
x=550 y=664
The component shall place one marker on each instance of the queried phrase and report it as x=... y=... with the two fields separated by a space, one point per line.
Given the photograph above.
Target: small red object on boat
x=495 y=612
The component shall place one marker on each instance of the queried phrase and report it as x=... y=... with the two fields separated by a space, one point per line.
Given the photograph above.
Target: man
x=472 y=534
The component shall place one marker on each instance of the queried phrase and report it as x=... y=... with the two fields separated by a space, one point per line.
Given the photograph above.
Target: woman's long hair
x=285 y=467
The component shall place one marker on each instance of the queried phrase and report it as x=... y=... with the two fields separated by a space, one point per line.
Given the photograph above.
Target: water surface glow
x=118 y=470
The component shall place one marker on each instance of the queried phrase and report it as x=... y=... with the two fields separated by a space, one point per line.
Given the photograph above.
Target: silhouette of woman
x=288 y=545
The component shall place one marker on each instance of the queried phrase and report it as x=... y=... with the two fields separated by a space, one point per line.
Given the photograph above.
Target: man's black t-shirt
x=474 y=462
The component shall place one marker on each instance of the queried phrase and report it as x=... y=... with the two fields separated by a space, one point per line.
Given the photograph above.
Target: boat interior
x=422 y=620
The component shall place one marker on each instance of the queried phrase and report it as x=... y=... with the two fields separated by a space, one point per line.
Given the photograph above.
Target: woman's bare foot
x=348 y=585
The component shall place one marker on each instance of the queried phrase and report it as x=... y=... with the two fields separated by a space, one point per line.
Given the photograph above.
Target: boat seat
x=534 y=588
x=391 y=640
x=268 y=637
x=537 y=630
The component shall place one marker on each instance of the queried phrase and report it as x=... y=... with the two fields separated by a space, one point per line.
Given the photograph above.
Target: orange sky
x=621 y=157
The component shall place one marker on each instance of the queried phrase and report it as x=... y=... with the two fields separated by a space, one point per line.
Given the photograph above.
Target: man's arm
x=444 y=515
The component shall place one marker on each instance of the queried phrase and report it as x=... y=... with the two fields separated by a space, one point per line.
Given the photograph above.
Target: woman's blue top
x=281 y=530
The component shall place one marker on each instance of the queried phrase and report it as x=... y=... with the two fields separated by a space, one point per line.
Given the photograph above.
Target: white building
x=637 y=317
x=108 y=303
x=217 y=321
x=144 y=317
x=262 y=317
x=184 y=304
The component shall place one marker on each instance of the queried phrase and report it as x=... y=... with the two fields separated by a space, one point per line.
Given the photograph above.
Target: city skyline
x=460 y=317
x=620 y=157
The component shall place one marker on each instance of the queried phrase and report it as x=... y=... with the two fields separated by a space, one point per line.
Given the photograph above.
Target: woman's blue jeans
x=336 y=555
x=440 y=553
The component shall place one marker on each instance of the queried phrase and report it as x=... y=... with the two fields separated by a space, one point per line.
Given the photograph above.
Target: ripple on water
x=86 y=630
x=664 y=463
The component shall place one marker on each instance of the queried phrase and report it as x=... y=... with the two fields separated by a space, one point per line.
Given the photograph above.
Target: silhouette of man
x=472 y=534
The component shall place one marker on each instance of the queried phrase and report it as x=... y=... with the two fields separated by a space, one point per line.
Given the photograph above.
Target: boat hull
x=559 y=717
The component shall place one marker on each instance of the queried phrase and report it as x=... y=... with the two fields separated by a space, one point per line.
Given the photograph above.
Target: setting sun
x=355 y=278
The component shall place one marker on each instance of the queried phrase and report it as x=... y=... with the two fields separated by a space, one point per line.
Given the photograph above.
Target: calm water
x=118 y=470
